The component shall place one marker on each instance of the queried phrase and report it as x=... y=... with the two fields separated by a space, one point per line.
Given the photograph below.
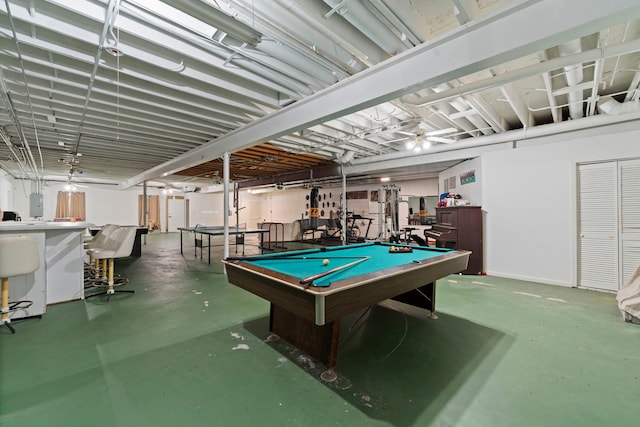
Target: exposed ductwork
x=608 y=105
x=574 y=76
x=335 y=80
x=361 y=165
x=361 y=18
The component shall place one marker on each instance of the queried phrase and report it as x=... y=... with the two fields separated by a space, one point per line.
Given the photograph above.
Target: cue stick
x=284 y=257
x=310 y=279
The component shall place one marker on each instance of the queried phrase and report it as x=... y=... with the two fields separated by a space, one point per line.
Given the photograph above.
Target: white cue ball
x=325 y=262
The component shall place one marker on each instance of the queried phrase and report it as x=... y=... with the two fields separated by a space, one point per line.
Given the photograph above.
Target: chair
x=100 y=236
x=118 y=245
x=419 y=240
x=19 y=256
x=98 y=240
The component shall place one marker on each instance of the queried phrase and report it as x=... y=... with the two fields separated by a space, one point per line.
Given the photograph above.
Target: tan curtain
x=71 y=205
x=153 y=204
x=62 y=205
x=140 y=210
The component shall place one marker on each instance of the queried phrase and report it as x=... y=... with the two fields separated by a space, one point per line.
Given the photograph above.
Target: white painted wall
x=6 y=192
x=105 y=204
x=471 y=191
x=529 y=201
x=208 y=208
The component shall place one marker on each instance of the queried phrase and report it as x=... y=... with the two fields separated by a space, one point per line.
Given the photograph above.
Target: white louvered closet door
x=598 y=226
x=629 y=217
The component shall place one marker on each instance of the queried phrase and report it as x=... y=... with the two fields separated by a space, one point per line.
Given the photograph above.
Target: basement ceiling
x=126 y=91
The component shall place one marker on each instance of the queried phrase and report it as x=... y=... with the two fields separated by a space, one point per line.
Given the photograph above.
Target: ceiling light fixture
x=418 y=144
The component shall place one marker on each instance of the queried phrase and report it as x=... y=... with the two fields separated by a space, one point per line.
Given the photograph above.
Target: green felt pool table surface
x=381 y=275
x=306 y=263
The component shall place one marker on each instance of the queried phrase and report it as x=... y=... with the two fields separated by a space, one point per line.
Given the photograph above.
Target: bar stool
x=19 y=256
x=118 y=245
x=92 y=271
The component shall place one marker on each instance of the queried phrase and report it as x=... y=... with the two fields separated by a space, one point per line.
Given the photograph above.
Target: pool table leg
x=319 y=342
x=422 y=297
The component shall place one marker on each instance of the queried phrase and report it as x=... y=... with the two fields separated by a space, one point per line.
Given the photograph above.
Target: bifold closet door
x=629 y=217
x=598 y=204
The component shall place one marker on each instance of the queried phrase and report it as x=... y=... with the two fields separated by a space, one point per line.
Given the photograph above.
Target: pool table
x=311 y=290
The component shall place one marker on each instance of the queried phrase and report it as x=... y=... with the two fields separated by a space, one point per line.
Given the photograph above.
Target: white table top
x=13 y=226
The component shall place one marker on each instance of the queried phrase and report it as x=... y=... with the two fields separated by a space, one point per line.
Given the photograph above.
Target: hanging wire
x=117 y=79
x=37 y=175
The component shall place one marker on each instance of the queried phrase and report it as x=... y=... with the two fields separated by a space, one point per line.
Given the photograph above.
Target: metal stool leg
x=5 y=305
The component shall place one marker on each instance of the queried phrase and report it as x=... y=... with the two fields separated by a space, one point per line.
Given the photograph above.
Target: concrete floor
x=189 y=349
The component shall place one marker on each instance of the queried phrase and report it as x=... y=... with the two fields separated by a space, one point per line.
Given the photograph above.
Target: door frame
x=166 y=211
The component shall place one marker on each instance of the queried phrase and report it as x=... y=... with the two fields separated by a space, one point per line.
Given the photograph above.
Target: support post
x=225 y=175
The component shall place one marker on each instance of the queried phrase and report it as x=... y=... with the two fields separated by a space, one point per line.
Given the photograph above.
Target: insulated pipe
x=368 y=24
x=574 y=76
x=316 y=76
x=340 y=33
x=219 y=50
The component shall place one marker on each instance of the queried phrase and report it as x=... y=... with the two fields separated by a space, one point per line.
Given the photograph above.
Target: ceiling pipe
x=574 y=76
x=339 y=32
x=317 y=76
x=359 y=16
x=393 y=19
x=218 y=19
x=327 y=61
x=221 y=54
x=27 y=156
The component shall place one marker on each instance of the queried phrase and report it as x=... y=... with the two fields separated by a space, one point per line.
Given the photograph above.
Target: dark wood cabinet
x=460 y=227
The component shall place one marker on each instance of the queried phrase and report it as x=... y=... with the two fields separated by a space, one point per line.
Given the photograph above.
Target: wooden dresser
x=460 y=227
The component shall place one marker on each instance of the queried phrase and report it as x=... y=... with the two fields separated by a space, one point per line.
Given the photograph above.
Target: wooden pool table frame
x=309 y=318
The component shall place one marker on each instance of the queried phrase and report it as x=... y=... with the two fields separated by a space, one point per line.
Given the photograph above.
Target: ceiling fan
x=423 y=136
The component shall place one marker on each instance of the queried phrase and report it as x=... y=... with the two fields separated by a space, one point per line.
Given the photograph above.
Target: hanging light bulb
x=410 y=144
x=418 y=146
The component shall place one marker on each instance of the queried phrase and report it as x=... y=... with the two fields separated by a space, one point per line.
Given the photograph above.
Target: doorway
x=176 y=213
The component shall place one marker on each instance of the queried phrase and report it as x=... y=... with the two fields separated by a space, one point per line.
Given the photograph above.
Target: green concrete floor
x=189 y=349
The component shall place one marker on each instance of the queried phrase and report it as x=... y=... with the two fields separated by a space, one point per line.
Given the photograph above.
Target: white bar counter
x=60 y=277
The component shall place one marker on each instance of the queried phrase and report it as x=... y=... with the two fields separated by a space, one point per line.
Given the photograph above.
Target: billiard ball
x=325 y=262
